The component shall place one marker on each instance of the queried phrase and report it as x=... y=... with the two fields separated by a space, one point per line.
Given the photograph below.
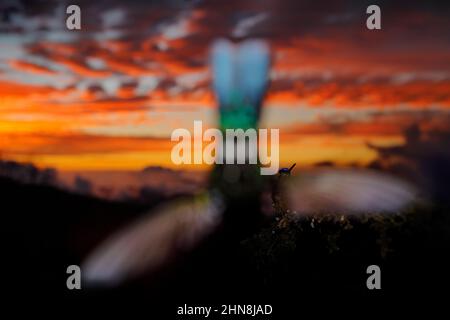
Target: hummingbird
x=283 y=174
x=286 y=171
x=233 y=198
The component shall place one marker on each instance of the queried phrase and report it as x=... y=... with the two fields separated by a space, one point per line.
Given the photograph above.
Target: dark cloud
x=28 y=173
x=424 y=156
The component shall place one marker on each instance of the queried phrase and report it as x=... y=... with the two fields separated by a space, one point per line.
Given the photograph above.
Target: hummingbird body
x=240 y=78
x=279 y=202
x=232 y=203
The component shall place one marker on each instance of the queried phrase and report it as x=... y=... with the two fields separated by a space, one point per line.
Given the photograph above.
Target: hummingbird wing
x=152 y=241
x=345 y=191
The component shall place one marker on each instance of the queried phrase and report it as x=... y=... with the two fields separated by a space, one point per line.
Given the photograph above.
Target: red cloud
x=30 y=67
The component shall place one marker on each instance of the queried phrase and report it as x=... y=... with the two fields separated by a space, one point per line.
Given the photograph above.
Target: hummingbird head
x=286 y=171
x=240 y=80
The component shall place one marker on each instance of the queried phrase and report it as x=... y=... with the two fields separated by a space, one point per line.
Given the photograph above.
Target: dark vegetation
x=317 y=257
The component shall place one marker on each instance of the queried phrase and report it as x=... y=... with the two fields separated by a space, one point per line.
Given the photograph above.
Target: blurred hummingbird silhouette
x=235 y=193
x=277 y=196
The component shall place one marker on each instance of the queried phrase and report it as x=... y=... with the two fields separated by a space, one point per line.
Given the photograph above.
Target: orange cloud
x=30 y=67
x=9 y=89
x=416 y=94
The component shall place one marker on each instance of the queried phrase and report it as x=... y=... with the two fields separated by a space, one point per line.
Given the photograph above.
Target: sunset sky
x=108 y=96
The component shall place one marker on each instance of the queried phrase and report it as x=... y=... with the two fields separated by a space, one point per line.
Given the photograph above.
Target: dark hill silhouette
x=49 y=229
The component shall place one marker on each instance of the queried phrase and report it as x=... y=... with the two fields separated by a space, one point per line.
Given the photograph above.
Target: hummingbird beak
x=292 y=167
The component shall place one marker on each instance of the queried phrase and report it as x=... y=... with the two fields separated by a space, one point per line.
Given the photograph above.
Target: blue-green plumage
x=240 y=80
